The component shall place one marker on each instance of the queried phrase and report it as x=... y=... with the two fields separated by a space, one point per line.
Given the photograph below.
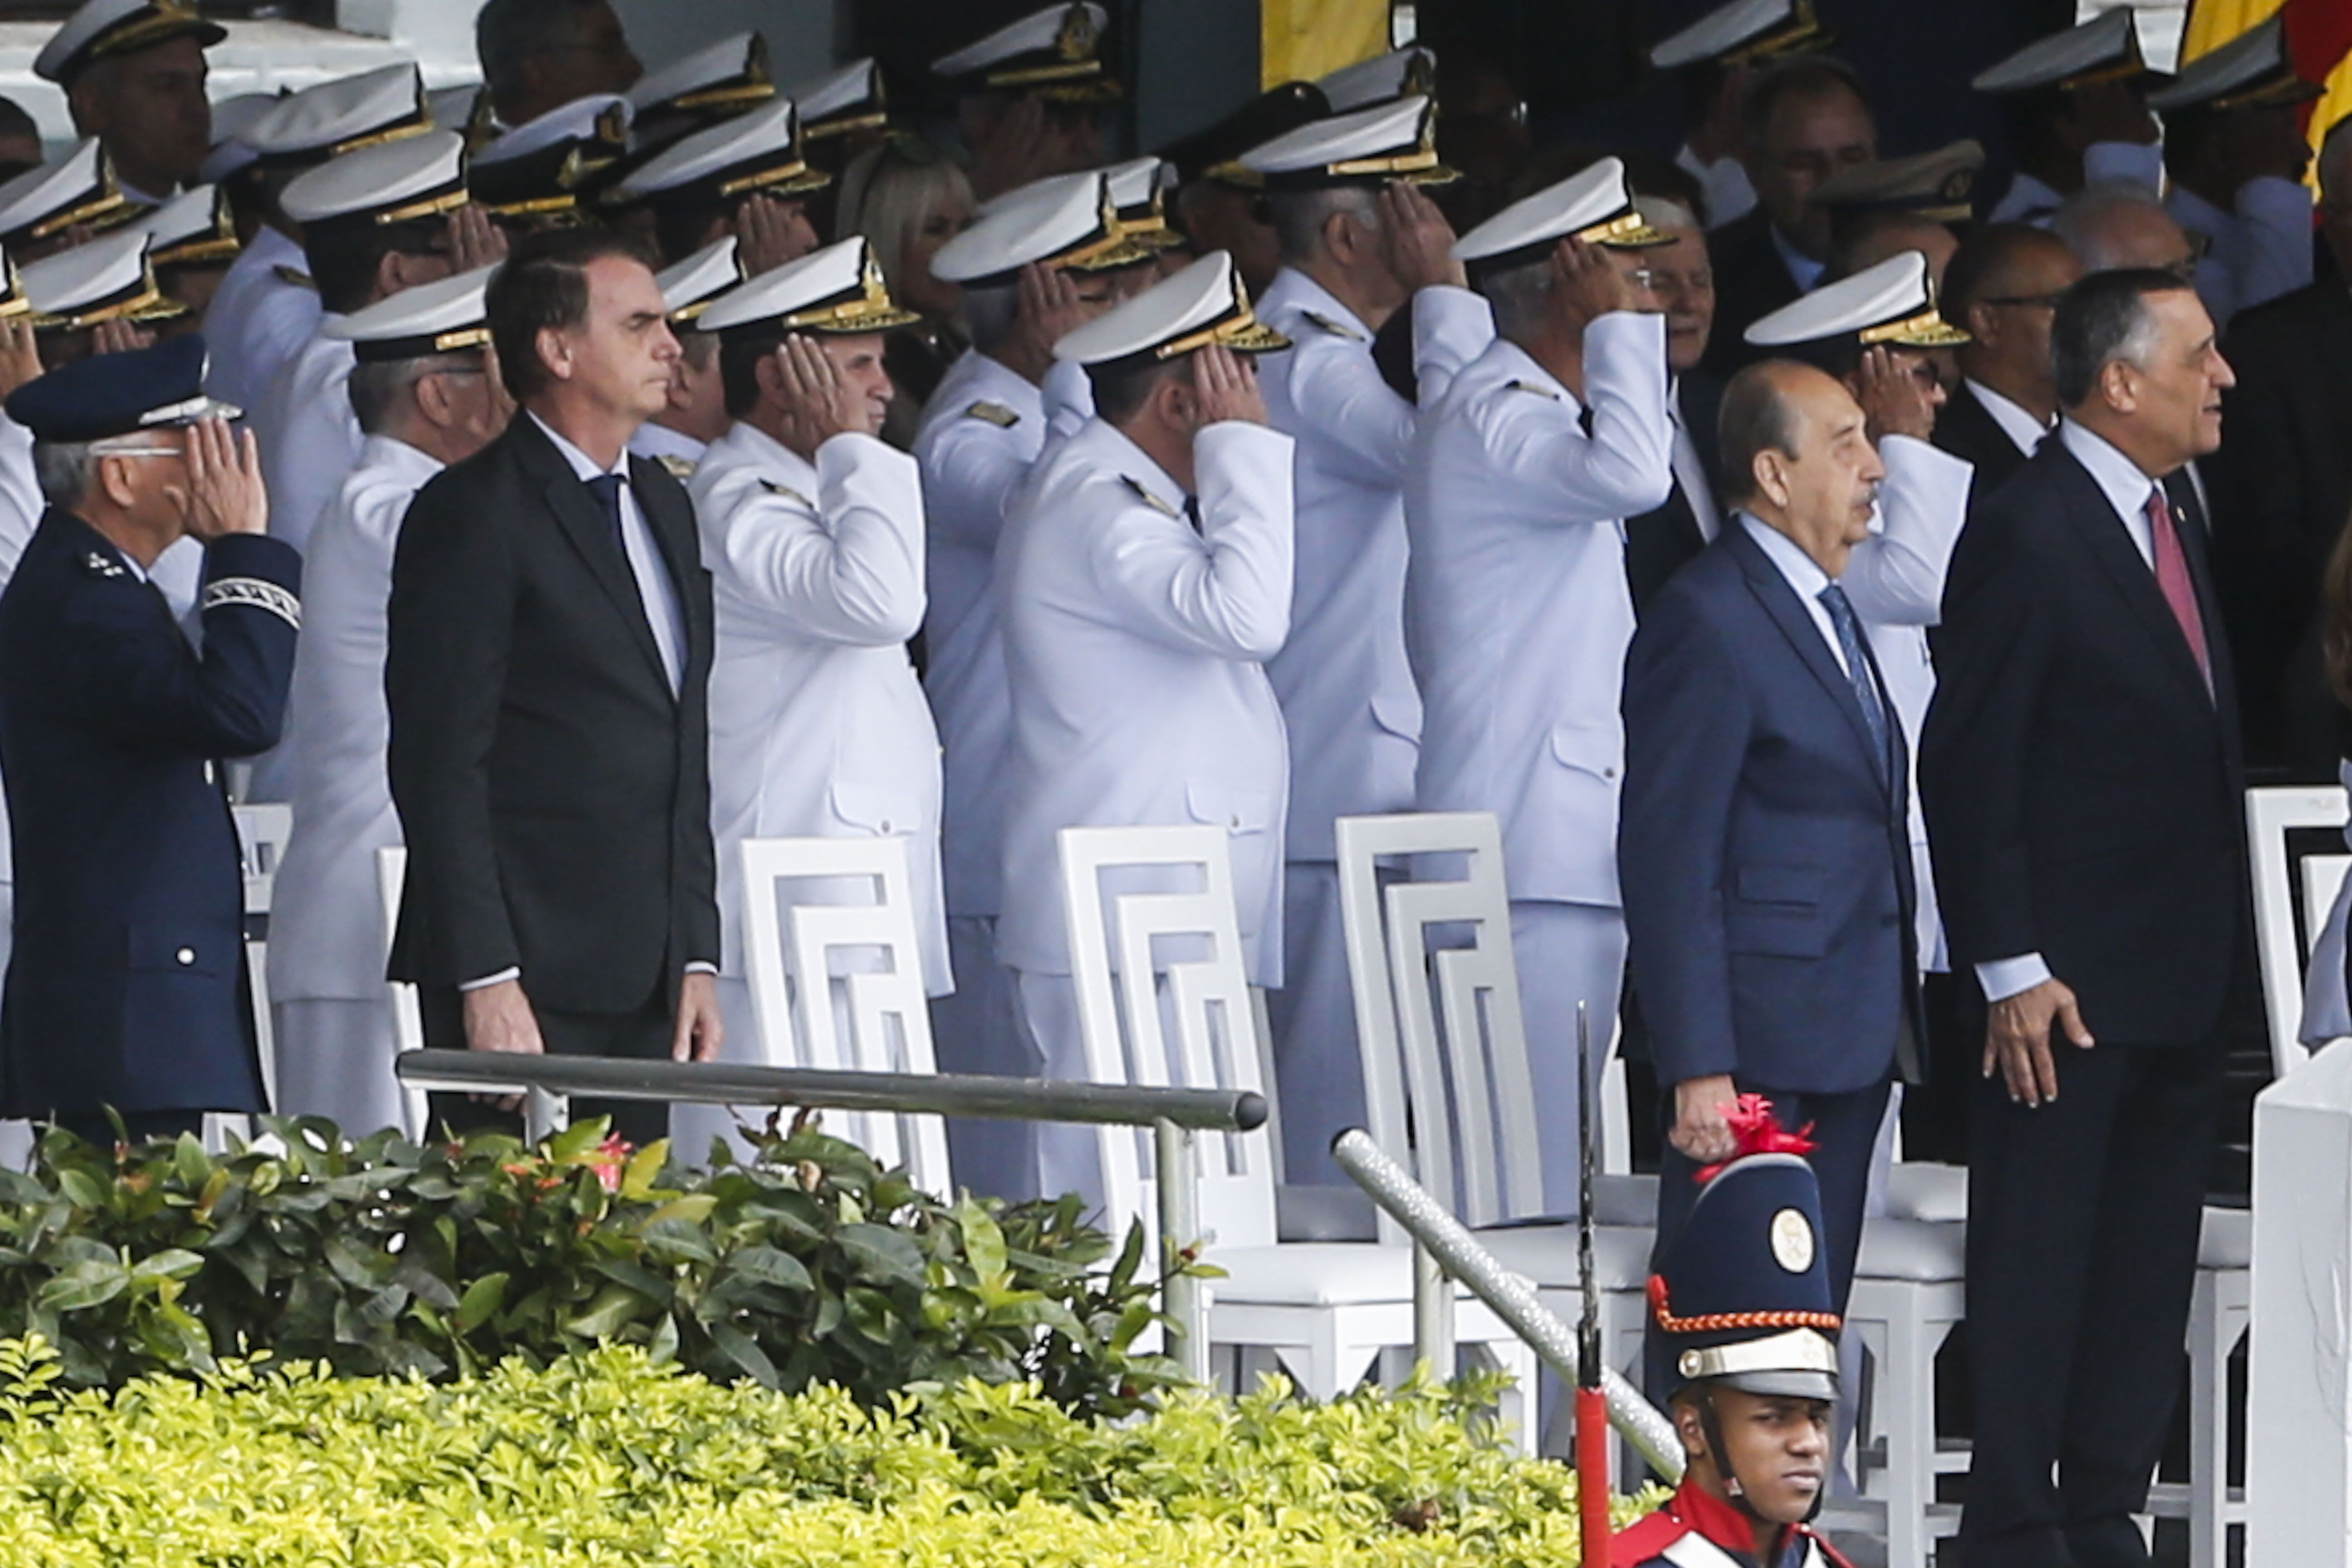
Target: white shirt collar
x=1301 y=291
x=1804 y=574
x=586 y=466
x=2015 y=423
x=2124 y=482
x=1803 y=269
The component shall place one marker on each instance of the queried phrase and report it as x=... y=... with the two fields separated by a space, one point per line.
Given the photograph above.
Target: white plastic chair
x=407 y=1016
x=2282 y=941
x=1145 y=957
x=817 y=994
x=262 y=831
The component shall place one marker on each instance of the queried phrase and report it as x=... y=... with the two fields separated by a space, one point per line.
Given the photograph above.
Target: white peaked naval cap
x=107 y=279
x=344 y=115
x=2106 y=47
x=836 y=289
x=1055 y=51
x=726 y=75
x=2253 y=70
x=1740 y=33
x=759 y=151
x=1201 y=305
x=437 y=318
x=1386 y=141
x=1893 y=302
x=847 y=99
x=1591 y=205
x=581 y=119
x=1066 y=222
x=106 y=27
x=1381 y=79
x=392 y=182
x=77 y=188
x=689 y=287
x=194 y=225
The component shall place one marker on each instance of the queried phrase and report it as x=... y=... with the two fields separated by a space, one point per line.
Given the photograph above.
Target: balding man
x=2284 y=481
x=1764 y=847
x=133 y=76
x=540 y=54
x=2002 y=289
x=2118 y=226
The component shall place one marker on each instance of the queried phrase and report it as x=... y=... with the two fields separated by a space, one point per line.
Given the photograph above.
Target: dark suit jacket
x=2282 y=486
x=1657 y=544
x=1751 y=281
x=2082 y=788
x=1764 y=851
x=1966 y=430
x=555 y=794
x=128 y=984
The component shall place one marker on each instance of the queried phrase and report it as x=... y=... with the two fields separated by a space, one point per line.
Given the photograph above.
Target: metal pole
x=1512 y=1298
x=1176 y=1163
x=1433 y=1313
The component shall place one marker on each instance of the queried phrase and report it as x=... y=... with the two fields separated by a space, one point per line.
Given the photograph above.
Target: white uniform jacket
x=982 y=435
x=672 y=449
x=1895 y=580
x=818 y=727
x=1517 y=610
x=327 y=939
x=1135 y=647
x=2255 y=254
x=259 y=318
x=310 y=437
x=1345 y=686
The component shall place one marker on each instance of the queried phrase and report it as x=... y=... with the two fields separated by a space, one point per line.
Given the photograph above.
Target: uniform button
x=186 y=956
x=1235 y=824
x=886 y=825
x=1609 y=773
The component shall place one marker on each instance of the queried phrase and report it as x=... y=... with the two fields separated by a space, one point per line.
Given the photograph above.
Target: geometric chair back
x=261 y=834
x=1446 y=1083
x=2292 y=895
x=836 y=980
x=1164 y=1001
x=407 y=1016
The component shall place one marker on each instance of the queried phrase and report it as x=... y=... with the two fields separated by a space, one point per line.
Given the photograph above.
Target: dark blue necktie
x=1857 y=670
x=607 y=489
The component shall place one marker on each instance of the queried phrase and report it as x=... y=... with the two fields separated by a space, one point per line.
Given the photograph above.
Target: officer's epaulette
x=1335 y=329
x=1145 y=496
x=787 y=491
x=98 y=563
x=1531 y=387
x=996 y=414
x=678 y=467
x=294 y=279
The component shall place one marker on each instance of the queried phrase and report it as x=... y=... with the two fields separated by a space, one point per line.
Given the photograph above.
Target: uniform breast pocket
x=184 y=947
x=1237 y=811
x=1596 y=749
x=877 y=808
x=1776 y=911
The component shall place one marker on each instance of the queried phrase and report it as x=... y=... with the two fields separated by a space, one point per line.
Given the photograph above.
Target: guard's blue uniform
x=127 y=986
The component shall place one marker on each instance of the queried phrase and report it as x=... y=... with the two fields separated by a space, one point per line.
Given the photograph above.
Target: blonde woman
x=907 y=198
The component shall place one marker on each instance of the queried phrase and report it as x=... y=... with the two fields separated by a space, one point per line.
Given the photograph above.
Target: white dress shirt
x=2128 y=489
x=1804 y=576
x=2023 y=430
x=659 y=594
x=259 y=318
x=1690 y=470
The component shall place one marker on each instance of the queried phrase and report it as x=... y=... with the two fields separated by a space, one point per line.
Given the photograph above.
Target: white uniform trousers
x=1566 y=953
x=976 y=1028
x=334 y=1060
x=1318 y=1072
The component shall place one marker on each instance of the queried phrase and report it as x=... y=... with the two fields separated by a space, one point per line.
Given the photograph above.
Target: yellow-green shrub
x=608 y=1458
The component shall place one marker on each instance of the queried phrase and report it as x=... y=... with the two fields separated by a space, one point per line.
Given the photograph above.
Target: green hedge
x=608 y=1458
x=811 y=1266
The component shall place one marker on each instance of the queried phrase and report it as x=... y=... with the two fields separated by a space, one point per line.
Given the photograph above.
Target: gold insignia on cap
x=1626 y=231
x=1927 y=330
x=1793 y=1241
x=1238 y=329
x=872 y=311
x=1801 y=33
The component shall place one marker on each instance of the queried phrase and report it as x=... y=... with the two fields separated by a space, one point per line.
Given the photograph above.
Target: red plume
x=1755 y=1131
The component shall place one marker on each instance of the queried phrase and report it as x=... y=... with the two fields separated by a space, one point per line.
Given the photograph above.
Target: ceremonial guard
x=1041 y=265
x=1360 y=240
x=1880 y=332
x=2077 y=104
x=426 y=396
x=267 y=307
x=813 y=531
x=1516 y=607
x=1742 y=1303
x=127 y=988
x=696 y=416
x=1144 y=579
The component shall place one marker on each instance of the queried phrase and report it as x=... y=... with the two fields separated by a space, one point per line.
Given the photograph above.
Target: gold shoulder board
x=1147 y=499
x=288 y=275
x=787 y=491
x=996 y=414
x=1531 y=387
x=1334 y=328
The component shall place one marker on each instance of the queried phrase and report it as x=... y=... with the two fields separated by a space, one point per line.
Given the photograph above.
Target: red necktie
x=2172 y=581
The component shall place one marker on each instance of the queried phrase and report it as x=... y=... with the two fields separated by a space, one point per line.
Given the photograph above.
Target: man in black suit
x=2002 y=287
x=2082 y=778
x=1658 y=542
x=127 y=988
x=2284 y=483
x=1806 y=119
x=1764 y=844
x=549 y=640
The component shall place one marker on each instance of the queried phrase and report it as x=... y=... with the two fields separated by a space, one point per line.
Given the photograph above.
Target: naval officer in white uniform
x=1517 y=611
x=812 y=532
x=1143 y=581
x=697 y=415
x=426 y=395
x=1358 y=240
x=1047 y=260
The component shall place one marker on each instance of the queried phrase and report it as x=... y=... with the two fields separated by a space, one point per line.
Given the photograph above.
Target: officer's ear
x=111 y=474
x=1175 y=400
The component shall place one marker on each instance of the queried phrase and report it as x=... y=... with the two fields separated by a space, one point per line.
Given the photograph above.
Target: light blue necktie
x=1857 y=671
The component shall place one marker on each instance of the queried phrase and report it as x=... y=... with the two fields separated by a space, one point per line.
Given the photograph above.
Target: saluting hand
x=1418 y=241
x=1586 y=284
x=20 y=357
x=1227 y=384
x=816 y=405
x=119 y=336
x=225 y=494
x=768 y=233
x=473 y=239
x=1898 y=397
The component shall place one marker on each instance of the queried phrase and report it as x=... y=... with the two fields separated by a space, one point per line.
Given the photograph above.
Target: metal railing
x=1175 y=1115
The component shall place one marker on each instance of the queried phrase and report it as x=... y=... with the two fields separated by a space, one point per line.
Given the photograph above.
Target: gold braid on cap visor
x=1625 y=232
x=107 y=208
x=1239 y=331
x=1117 y=244
x=871 y=311
x=165 y=18
x=216 y=244
x=1927 y=330
x=1801 y=33
x=429 y=206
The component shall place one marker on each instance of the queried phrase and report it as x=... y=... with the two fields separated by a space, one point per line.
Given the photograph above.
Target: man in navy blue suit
x=1762 y=846
x=127 y=987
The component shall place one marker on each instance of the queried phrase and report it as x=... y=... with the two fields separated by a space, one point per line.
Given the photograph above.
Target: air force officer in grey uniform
x=1358 y=240
x=1143 y=582
x=1516 y=609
